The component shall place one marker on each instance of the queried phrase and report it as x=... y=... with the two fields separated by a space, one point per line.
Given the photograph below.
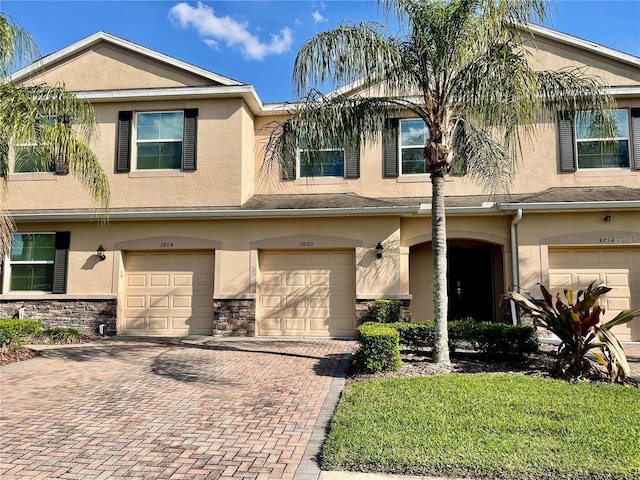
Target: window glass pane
x=328 y=163
x=29 y=159
x=159 y=155
x=160 y=126
x=413 y=161
x=32 y=277
x=28 y=247
x=413 y=132
x=597 y=150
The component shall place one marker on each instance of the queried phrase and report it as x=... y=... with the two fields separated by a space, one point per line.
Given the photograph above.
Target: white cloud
x=317 y=16
x=215 y=29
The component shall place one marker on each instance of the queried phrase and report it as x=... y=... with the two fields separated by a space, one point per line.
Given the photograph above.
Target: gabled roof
x=539 y=31
x=98 y=37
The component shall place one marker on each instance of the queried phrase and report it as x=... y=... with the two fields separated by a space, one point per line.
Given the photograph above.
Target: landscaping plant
x=575 y=320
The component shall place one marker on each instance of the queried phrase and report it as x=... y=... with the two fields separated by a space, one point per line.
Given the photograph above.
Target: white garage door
x=617 y=267
x=307 y=294
x=168 y=293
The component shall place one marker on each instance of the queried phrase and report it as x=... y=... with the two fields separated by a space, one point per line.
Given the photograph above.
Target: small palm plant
x=575 y=320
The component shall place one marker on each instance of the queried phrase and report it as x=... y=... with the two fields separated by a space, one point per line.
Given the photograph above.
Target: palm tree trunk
x=439 y=247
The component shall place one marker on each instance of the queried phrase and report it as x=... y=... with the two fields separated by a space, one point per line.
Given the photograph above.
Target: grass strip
x=496 y=426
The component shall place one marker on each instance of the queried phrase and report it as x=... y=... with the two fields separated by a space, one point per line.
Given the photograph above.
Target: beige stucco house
x=199 y=243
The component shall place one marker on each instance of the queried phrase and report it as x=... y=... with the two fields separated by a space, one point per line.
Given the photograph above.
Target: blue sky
x=255 y=41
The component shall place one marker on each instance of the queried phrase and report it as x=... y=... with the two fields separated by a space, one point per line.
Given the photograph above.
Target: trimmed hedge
x=12 y=332
x=379 y=347
x=487 y=338
x=388 y=311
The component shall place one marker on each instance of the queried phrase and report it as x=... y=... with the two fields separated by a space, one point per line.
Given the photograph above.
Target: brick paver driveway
x=141 y=408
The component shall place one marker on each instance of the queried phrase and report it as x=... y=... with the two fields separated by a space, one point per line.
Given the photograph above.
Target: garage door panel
x=182 y=280
x=135 y=323
x=136 y=281
x=161 y=297
x=306 y=293
x=158 y=302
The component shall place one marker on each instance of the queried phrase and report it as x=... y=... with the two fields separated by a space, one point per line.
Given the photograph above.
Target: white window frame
x=402 y=147
x=8 y=270
x=136 y=141
x=577 y=141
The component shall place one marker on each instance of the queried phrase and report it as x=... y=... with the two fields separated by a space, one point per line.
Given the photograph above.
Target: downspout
x=514 y=263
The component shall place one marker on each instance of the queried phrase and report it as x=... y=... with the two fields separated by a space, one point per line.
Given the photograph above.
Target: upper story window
x=29 y=157
x=159 y=140
x=595 y=149
x=325 y=162
x=584 y=144
x=413 y=136
x=164 y=140
x=31 y=262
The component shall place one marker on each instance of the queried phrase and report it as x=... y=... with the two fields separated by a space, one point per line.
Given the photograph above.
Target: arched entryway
x=475 y=280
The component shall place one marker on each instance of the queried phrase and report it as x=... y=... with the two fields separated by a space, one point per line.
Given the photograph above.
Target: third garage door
x=618 y=267
x=309 y=293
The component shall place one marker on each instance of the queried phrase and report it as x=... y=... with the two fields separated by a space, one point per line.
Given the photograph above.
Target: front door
x=470 y=282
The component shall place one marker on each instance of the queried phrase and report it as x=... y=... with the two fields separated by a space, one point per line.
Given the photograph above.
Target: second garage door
x=168 y=293
x=618 y=267
x=307 y=293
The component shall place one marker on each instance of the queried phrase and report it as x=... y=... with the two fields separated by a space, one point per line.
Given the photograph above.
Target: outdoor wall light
x=100 y=253
x=607 y=218
x=379 y=249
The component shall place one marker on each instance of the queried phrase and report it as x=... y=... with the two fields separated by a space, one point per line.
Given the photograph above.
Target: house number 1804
x=306 y=244
x=166 y=244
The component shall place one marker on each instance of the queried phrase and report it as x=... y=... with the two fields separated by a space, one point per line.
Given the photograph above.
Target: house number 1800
x=306 y=244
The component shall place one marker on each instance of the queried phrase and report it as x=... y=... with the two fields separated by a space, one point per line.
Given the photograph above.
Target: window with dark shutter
x=123 y=147
x=190 y=140
x=390 y=141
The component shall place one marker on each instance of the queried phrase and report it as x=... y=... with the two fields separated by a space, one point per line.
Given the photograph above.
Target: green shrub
x=62 y=334
x=415 y=336
x=388 y=311
x=13 y=332
x=484 y=337
x=379 y=347
x=498 y=338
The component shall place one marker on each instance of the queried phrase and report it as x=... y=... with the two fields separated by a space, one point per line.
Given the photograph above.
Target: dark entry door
x=470 y=282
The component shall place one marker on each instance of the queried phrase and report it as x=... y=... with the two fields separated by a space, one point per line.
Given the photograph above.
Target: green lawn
x=495 y=426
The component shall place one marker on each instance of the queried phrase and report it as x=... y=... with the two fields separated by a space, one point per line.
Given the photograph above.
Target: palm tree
x=55 y=124
x=459 y=65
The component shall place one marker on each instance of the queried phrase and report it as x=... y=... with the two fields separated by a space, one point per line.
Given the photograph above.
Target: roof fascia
x=247 y=92
x=572 y=206
x=134 y=47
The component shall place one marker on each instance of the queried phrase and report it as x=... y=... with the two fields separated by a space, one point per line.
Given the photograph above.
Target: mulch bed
x=464 y=361
x=25 y=353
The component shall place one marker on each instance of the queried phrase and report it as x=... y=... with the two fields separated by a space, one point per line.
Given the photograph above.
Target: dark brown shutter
x=390 y=141
x=635 y=137
x=567 y=149
x=352 y=159
x=60 y=259
x=62 y=166
x=123 y=142
x=289 y=154
x=190 y=140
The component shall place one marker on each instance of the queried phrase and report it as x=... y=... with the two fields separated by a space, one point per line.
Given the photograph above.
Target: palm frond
x=17 y=47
